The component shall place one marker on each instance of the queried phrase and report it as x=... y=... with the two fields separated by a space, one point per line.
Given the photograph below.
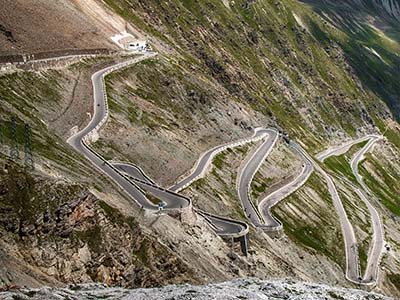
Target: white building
x=136 y=45
x=128 y=42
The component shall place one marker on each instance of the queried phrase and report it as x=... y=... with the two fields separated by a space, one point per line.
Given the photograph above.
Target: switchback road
x=375 y=253
x=206 y=158
x=371 y=272
x=351 y=252
x=129 y=177
x=79 y=140
x=275 y=197
x=136 y=183
x=247 y=173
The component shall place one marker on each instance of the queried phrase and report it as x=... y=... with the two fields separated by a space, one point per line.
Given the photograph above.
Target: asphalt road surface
x=131 y=178
x=77 y=140
x=342 y=149
x=272 y=199
x=247 y=173
x=351 y=251
x=371 y=272
x=222 y=226
x=206 y=159
x=375 y=253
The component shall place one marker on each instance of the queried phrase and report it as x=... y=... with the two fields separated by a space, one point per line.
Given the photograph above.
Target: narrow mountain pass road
x=266 y=204
x=222 y=226
x=352 y=261
x=130 y=177
x=137 y=184
x=205 y=160
x=342 y=149
x=375 y=253
x=247 y=173
x=371 y=273
x=79 y=141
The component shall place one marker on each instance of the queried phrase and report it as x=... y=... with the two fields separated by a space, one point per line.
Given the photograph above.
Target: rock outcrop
x=237 y=289
x=64 y=234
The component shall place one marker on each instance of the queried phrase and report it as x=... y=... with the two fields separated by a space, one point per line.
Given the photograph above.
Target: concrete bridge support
x=244 y=243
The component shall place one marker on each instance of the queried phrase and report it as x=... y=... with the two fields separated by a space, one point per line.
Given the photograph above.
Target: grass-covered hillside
x=320 y=71
x=281 y=63
x=280 y=58
x=370 y=42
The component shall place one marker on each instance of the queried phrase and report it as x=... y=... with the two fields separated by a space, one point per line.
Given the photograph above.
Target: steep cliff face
x=54 y=232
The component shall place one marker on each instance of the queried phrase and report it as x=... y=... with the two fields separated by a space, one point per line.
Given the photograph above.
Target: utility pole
x=28 y=147
x=14 y=150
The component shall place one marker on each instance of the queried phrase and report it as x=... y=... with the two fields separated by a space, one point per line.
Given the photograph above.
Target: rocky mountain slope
x=322 y=72
x=253 y=289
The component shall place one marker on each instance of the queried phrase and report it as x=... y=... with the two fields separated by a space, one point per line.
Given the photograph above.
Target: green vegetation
x=316 y=237
x=395 y=280
x=92 y=237
x=261 y=187
x=371 y=52
x=308 y=236
x=363 y=253
x=141 y=253
x=112 y=213
x=27 y=195
x=218 y=160
x=284 y=161
x=198 y=183
x=116 y=217
x=333 y=295
x=152 y=198
x=340 y=165
x=322 y=235
x=264 y=72
x=384 y=183
x=258 y=188
x=34 y=98
x=219 y=185
x=393 y=136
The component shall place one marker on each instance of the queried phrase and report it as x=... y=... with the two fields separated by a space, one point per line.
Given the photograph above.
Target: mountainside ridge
x=222 y=69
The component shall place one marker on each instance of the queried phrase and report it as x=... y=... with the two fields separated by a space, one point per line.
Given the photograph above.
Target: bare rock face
x=236 y=289
x=188 y=216
x=62 y=233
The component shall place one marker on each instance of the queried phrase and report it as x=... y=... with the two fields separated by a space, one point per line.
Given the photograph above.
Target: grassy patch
x=141 y=253
x=340 y=165
x=395 y=280
x=386 y=188
x=218 y=160
x=322 y=235
x=92 y=237
x=152 y=198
